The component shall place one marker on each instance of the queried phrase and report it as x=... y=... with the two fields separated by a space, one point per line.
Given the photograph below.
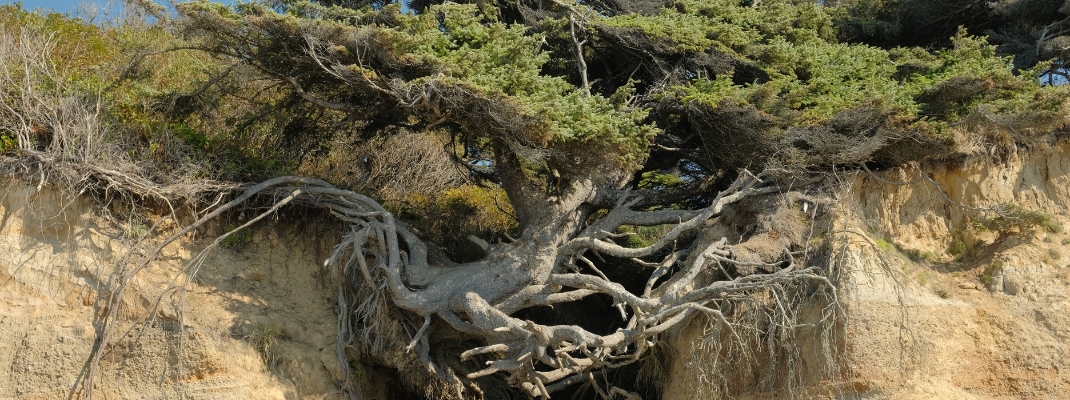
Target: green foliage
x=7 y=143
x=490 y=57
x=958 y=249
x=135 y=77
x=236 y=239
x=641 y=236
x=658 y=180
x=916 y=255
x=358 y=370
x=923 y=278
x=963 y=244
x=1054 y=254
x=685 y=32
x=450 y=216
x=808 y=70
x=758 y=84
x=264 y=341
x=1015 y=219
x=886 y=246
x=136 y=227
x=81 y=49
x=913 y=255
x=807 y=77
x=820 y=84
x=455 y=48
x=820 y=78
x=993 y=269
x=788 y=42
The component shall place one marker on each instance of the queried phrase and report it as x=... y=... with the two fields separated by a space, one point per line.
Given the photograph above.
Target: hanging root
x=391 y=302
x=345 y=205
x=534 y=357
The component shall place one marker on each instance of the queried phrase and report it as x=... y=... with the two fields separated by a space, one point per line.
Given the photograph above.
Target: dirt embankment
x=256 y=322
x=934 y=307
x=988 y=313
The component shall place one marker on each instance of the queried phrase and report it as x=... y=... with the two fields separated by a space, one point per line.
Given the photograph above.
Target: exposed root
x=392 y=302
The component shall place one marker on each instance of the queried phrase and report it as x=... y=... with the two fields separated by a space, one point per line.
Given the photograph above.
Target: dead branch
x=581 y=64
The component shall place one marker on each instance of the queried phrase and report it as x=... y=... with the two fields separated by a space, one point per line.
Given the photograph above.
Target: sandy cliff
x=934 y=307
x=257 y=322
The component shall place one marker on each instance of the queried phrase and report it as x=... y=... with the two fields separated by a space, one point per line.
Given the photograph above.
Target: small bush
x=263 y=341
x=455 y=213
x=923 y=278
x=8 y=143
x=237 y=238
x=1015 y=219
x=885 y=245
x=958 y=248
x=991 y=270
x=916 y=255
x=642 y=236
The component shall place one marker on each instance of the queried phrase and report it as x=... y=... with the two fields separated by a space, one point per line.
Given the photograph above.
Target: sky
x=94 y=11
x=73 y=7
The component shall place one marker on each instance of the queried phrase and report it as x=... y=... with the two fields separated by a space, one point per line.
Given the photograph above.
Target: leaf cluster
x=1013 y=218
x=822 y=96
x=382 y=56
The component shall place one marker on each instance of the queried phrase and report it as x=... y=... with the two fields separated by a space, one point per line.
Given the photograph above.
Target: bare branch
x=315 y=100
x=581 y=64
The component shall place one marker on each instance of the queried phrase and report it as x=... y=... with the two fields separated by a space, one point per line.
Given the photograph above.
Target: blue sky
x=93 y=10
x=68 y=6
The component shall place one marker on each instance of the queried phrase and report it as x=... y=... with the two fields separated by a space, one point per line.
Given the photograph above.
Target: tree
x=1029 y=30
x=563 y=155
x=622 y=133
x=599 y=118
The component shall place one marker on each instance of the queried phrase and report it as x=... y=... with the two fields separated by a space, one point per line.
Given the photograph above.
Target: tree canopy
x=729 y=84
x=491 y=159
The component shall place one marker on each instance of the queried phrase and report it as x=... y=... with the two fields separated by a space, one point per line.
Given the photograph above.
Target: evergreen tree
x=519 y=155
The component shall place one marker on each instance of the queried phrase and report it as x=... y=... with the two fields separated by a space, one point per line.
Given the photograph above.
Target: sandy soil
x=923 y=320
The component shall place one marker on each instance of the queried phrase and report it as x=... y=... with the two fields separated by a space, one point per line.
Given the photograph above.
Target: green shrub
x=81 y=48
x=958 y=248
x=1015 y=219
x=237 y=238
x=923 y=277
x=8 y=143
x=916 y=255
x=454 y=214
x=991 y=270
x=885 y=245
x=264 y=341
x=642 y=236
